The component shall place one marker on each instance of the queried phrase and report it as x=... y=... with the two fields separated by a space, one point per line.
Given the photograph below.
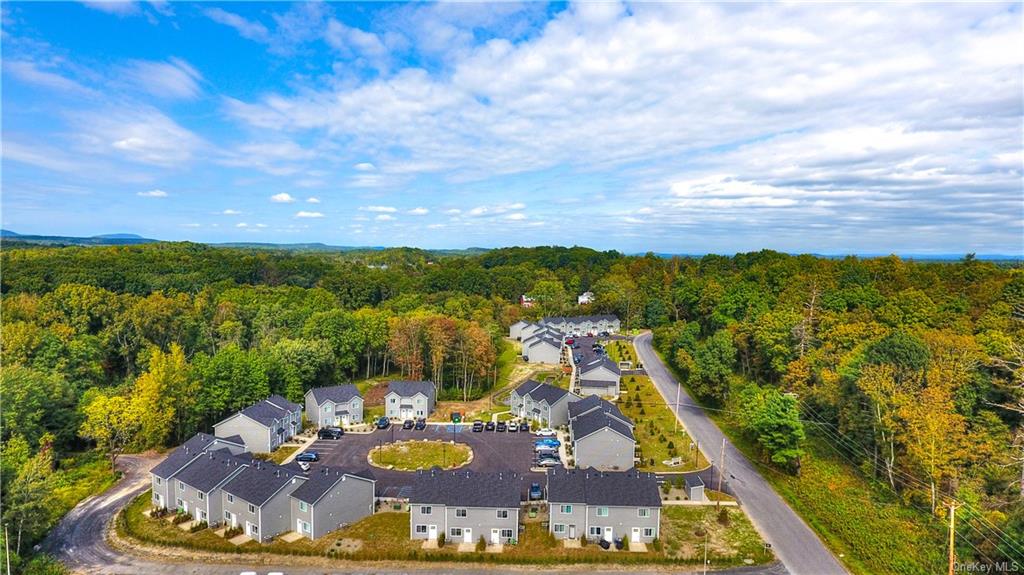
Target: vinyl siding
x=255 y=436
x=604 y=450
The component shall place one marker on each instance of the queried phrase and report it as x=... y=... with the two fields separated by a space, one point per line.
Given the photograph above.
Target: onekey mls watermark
x=981 y=567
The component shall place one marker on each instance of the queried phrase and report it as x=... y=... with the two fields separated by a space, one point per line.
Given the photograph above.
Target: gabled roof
x=580 y=318
x=465 y=488
x=599 y=362
x=411 y=388
x=594 y=403
x=541 y=392
x=278 y=401
x=186 y=452
x=323 y=480
x=522 y=321
x=260 y=481
x=597 y=420
x=613 y=489
x=557 y=344
x=336 y=393
x=210 y=470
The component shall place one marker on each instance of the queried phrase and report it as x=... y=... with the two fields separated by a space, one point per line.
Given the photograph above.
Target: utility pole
x=679 y=388
x=705 y=550
x=721 y=469
x=7 y=549
x=952 y=535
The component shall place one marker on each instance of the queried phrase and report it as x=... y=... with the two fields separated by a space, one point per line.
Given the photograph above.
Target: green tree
x=26 y=503
x=712 y=365
x=113 y=422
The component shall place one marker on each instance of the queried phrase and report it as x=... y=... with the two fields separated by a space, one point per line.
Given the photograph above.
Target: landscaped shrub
x=232 y=532
x=583 y=540
x=671 y=446
x=440 y=540
x=481 y=544
x=723 y=516
x=181 y=518
x=656 y=544
x=666 y=487
x=198 y=527
x=625 y=543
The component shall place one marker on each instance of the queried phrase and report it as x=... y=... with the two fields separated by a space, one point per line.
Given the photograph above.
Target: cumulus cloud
x=384 y=218
x=494 y=210
x=282 y=198
x=304 y=214
x=152 y=194
x=141 y=134
x=365 y=167
x=418 y=212
x=312 y=200
x=230 y=212
x=385 y=209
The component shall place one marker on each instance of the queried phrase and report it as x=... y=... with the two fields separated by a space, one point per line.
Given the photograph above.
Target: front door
x=572 y=532
x=608 y=534
x=184 y=506
x=253 y=530
x=467 y=536
x=636 y=535
x=298 y=526
x=495 y=536
x=159 y=501
x=432 y=532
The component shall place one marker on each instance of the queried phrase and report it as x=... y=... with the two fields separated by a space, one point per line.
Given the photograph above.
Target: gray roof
x=555 y=343
x=211 y=469
x=613 y=489
x=235 y=439
x=268 y=410
x=598 y=362
x=336 y=393
x=595 y=403
x=323 y=480
x=175 y=460
x=584 y=425
x=580 y=318
x=541 y=391
x=261 y=480
x=283 y=403
x=411 y=388
x=464 y=488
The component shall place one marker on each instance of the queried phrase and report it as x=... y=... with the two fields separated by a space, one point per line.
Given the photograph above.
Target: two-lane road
x=794 y=543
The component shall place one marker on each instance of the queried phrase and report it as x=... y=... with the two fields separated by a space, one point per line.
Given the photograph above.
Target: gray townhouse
x=546 y=404
x=331 y=499
x=528 y=330
x=598 y=375
x=197 y=487
x=515 y=330
x=257 y=499
x=161 y=476
x=584 y=324
x=601 y=436
x=409 y=399
x=603 y=505
x=465 y=505
x=543 y=349
x=263 y=426
x=335 y=405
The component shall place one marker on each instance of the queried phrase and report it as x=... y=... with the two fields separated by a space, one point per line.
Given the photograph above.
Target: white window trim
x=599 y=512
x=252 y=508
x=420 y=531
x=566 y=510
x=461 y=513
x=501 y=513
x=231 y=498
x=648 y=532
x=559 y=528
x=643 y=512
x=303 y=506
x=426 y=510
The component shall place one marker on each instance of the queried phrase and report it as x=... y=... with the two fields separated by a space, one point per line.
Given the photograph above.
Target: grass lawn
x=282 y=453
x=732 y=541
x=619 y=350
x=76 y=478
x=413 y=455
x=642 y=403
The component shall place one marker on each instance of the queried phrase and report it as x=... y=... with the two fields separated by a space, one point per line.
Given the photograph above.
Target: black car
x=330 y=433
x=383 y=423
x=489 y=426
x=478 y=425
x=308 y=456
x=501 y=426
x=408 y=424
x=604 y=334
x=421 y=424
x=536 y=492
x=524 y=427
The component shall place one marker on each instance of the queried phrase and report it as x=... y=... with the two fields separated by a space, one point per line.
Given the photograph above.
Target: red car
x=570 y=341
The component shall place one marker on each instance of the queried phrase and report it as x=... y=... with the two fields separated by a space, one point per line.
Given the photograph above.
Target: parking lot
x=492 y=452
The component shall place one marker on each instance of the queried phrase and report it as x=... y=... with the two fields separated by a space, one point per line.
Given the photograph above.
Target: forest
x=912 y=372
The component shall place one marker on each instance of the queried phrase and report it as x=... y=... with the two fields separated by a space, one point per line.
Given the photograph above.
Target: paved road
x=79 y=540
x=794 y=543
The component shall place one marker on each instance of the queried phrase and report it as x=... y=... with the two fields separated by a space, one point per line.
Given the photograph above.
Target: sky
x=666 y=127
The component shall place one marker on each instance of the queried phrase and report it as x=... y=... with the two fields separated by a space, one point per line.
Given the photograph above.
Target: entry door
x=572 y=532
x=298 y=526
x=636 y=535
x=467 y=536
x=184 y=506
x=159 y=501
x=432 y=532
x=608 y=534
x=252 y=529
x=495 y=536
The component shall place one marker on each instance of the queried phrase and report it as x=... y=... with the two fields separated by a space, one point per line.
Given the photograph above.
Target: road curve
x=794 y=543
x=79 y=540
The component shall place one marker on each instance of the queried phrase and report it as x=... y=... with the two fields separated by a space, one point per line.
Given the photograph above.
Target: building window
x=602 y=512
x=648 y=532
x=200 y=495
x=231 y=498
x=503 y=514
x=181 y=485
x=420 y=529
x=566 y=509
x=595 y=531
x=643 y=512
x=460 y=512
x=305 y=527
x=559 y=528
x=455 y=532
x=202 y=516
x=303 y=506
x=506 y=534
x=180 y=503
x=394 y=400
x=227 y=516
x=252 y=508
x=327 y=408
x=159 y=481
x=425 y=510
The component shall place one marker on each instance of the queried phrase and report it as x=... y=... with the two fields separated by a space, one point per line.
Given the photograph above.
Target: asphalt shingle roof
x=599 y=362
x=186 y=452
x=579 y=319
x=335 y=393
x=208 y=471
x=584 y=425
x=411 y=388
x=283 y=403
x=258 y=482
x=323 y=480
x=594 y=403
x=466 y=488
x=613 y=489
x=541 y=391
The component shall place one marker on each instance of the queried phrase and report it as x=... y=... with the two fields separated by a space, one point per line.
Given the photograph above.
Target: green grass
x=619 y=350
x=730 y=543
x=282 y=453
x=79 y=477
x=506 y=362
x=413 y=455
x=655 y=420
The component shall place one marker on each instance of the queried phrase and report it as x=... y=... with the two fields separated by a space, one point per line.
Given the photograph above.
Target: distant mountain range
x=133 y=239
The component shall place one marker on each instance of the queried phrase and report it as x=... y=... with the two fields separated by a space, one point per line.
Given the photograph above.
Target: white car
x=546 y=432
x=513 y=427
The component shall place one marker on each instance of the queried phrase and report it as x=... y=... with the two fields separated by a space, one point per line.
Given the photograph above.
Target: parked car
x=524 y=427
x=547 y=441
x=501 y=426
x=513 y=427
x=421 y=424
x=330 y=433
x=383 y=423
x=308 y=456
x=478 y=426
x=489 y=426
x=536 y=492
x=546 y=432
x=604 y=334
x=546 y=451
x=570 y=341
x=546 y=462
x=408 y=424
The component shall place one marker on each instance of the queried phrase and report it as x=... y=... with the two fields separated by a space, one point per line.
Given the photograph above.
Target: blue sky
x=684 y=128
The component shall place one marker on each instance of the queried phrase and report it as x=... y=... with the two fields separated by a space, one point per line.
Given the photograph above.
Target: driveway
x=794 y=543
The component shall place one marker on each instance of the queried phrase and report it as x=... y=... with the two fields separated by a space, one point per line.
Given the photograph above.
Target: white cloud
x=142 y=134
x=480 y=211
x=282 y=198
x=365 y=167
x=384 y=218
x=152 y=194
x=241 y=225
x=32 y=73
x=118 y=7
x=246 y=28
x=418 y=212
x=304 y=214
x=453 y=211
x=191 y=225
x=312 y=200
x=384 y=209
x=516 y=216
x=230 y=212
x=173 y=79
